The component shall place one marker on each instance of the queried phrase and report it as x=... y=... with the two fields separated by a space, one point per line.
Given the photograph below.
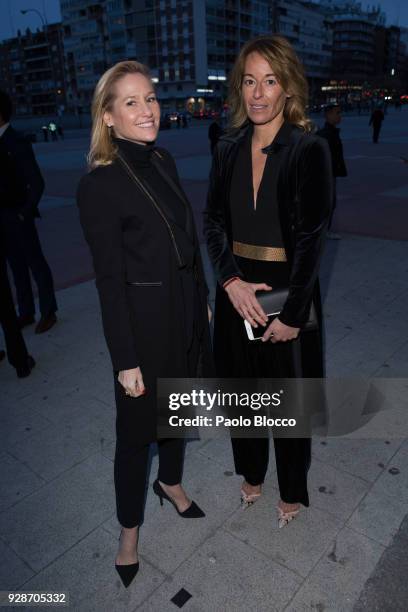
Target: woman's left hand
x=279 y=332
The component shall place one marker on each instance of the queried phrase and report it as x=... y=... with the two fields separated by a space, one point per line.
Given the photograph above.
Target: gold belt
x=252 y=251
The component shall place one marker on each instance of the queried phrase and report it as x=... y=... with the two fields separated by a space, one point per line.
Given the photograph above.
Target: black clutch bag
x=273 y=301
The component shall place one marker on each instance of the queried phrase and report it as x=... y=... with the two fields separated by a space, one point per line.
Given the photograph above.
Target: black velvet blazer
x=305 y=188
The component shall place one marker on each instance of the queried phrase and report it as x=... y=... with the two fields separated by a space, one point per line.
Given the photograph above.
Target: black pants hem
x=130 y=475
x=293 y=459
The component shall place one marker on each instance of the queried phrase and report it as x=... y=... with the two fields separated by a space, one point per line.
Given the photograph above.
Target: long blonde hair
x=281 y=56
x=102 y=150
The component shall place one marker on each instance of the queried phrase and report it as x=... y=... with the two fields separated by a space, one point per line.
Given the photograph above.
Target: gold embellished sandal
x=248 y=500
x=285 y=517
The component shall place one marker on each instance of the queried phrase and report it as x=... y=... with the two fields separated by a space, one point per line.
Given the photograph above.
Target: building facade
x=32 y=71
x=189 y=45
x=310 y=31
x=86 y=49
x=354 y=32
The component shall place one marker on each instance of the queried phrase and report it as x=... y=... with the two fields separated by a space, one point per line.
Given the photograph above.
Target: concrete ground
x=58 y=526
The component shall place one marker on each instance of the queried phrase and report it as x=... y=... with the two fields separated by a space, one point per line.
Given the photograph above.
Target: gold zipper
x=157 y=207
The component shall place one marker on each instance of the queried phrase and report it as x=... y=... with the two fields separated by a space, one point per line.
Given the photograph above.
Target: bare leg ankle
x=251 y=489
x=249 y=494
x=127 y=552
x=286 y=507
x=177 y=494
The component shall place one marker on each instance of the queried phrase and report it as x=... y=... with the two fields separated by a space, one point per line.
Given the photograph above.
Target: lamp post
x=33 y=10
x=44 y=25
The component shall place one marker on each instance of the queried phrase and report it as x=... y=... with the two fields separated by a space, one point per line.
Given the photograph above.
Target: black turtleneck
x=139 y=157
x=139 y=154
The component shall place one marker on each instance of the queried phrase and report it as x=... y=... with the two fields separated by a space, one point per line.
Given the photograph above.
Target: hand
x=242 y=296
x=132 y=382
x=210 y=314
x=279 y=332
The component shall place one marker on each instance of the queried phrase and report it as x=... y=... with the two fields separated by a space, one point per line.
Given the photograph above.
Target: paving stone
x=54 y=450
x=388 y=423
x=336 y=581
x=333 y=490
x=378 y=517
x=387 y=587
x=193 y=445
x=46 y=523
x=167 y=539
x=16 y=480
x=394 y=480
x=227 y=574
x=363 y=458
x=88 y=573
x=219 y=450
x=19 y=425
x=335 y=333
x=14 y=572
x=298 y=546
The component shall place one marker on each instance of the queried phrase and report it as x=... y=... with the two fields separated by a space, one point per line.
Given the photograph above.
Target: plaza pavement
x=58 y=527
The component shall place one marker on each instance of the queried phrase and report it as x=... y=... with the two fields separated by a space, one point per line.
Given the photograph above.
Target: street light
x=44 y=25
x=33 y=10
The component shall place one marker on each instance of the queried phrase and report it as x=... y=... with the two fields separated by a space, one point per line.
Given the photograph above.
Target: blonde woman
x=140 y=229
x=268 y=207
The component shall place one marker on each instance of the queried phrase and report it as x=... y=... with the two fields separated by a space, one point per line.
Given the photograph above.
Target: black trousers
x=24 y=254
x=131 y=459
x=130 y=475
x=293 y=457
x=15 y=345
x=237 y=357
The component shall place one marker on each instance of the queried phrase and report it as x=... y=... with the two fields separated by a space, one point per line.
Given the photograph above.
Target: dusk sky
x=11 y=19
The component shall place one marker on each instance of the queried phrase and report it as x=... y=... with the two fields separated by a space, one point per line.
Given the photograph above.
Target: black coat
x=21 y=182
x=137 y=267
x=332 y=135
x=305 y=195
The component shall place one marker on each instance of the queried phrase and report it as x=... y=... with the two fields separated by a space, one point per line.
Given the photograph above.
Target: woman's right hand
x=132 y=382
x=243 y=298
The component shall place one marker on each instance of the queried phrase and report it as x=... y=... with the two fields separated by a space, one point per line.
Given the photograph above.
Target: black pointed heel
x=193 y=511
x=127 y=572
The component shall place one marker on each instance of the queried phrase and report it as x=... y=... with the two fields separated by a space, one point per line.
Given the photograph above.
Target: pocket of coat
x=145 y=284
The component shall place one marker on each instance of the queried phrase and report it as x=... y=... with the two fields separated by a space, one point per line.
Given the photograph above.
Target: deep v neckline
x=255 y=196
